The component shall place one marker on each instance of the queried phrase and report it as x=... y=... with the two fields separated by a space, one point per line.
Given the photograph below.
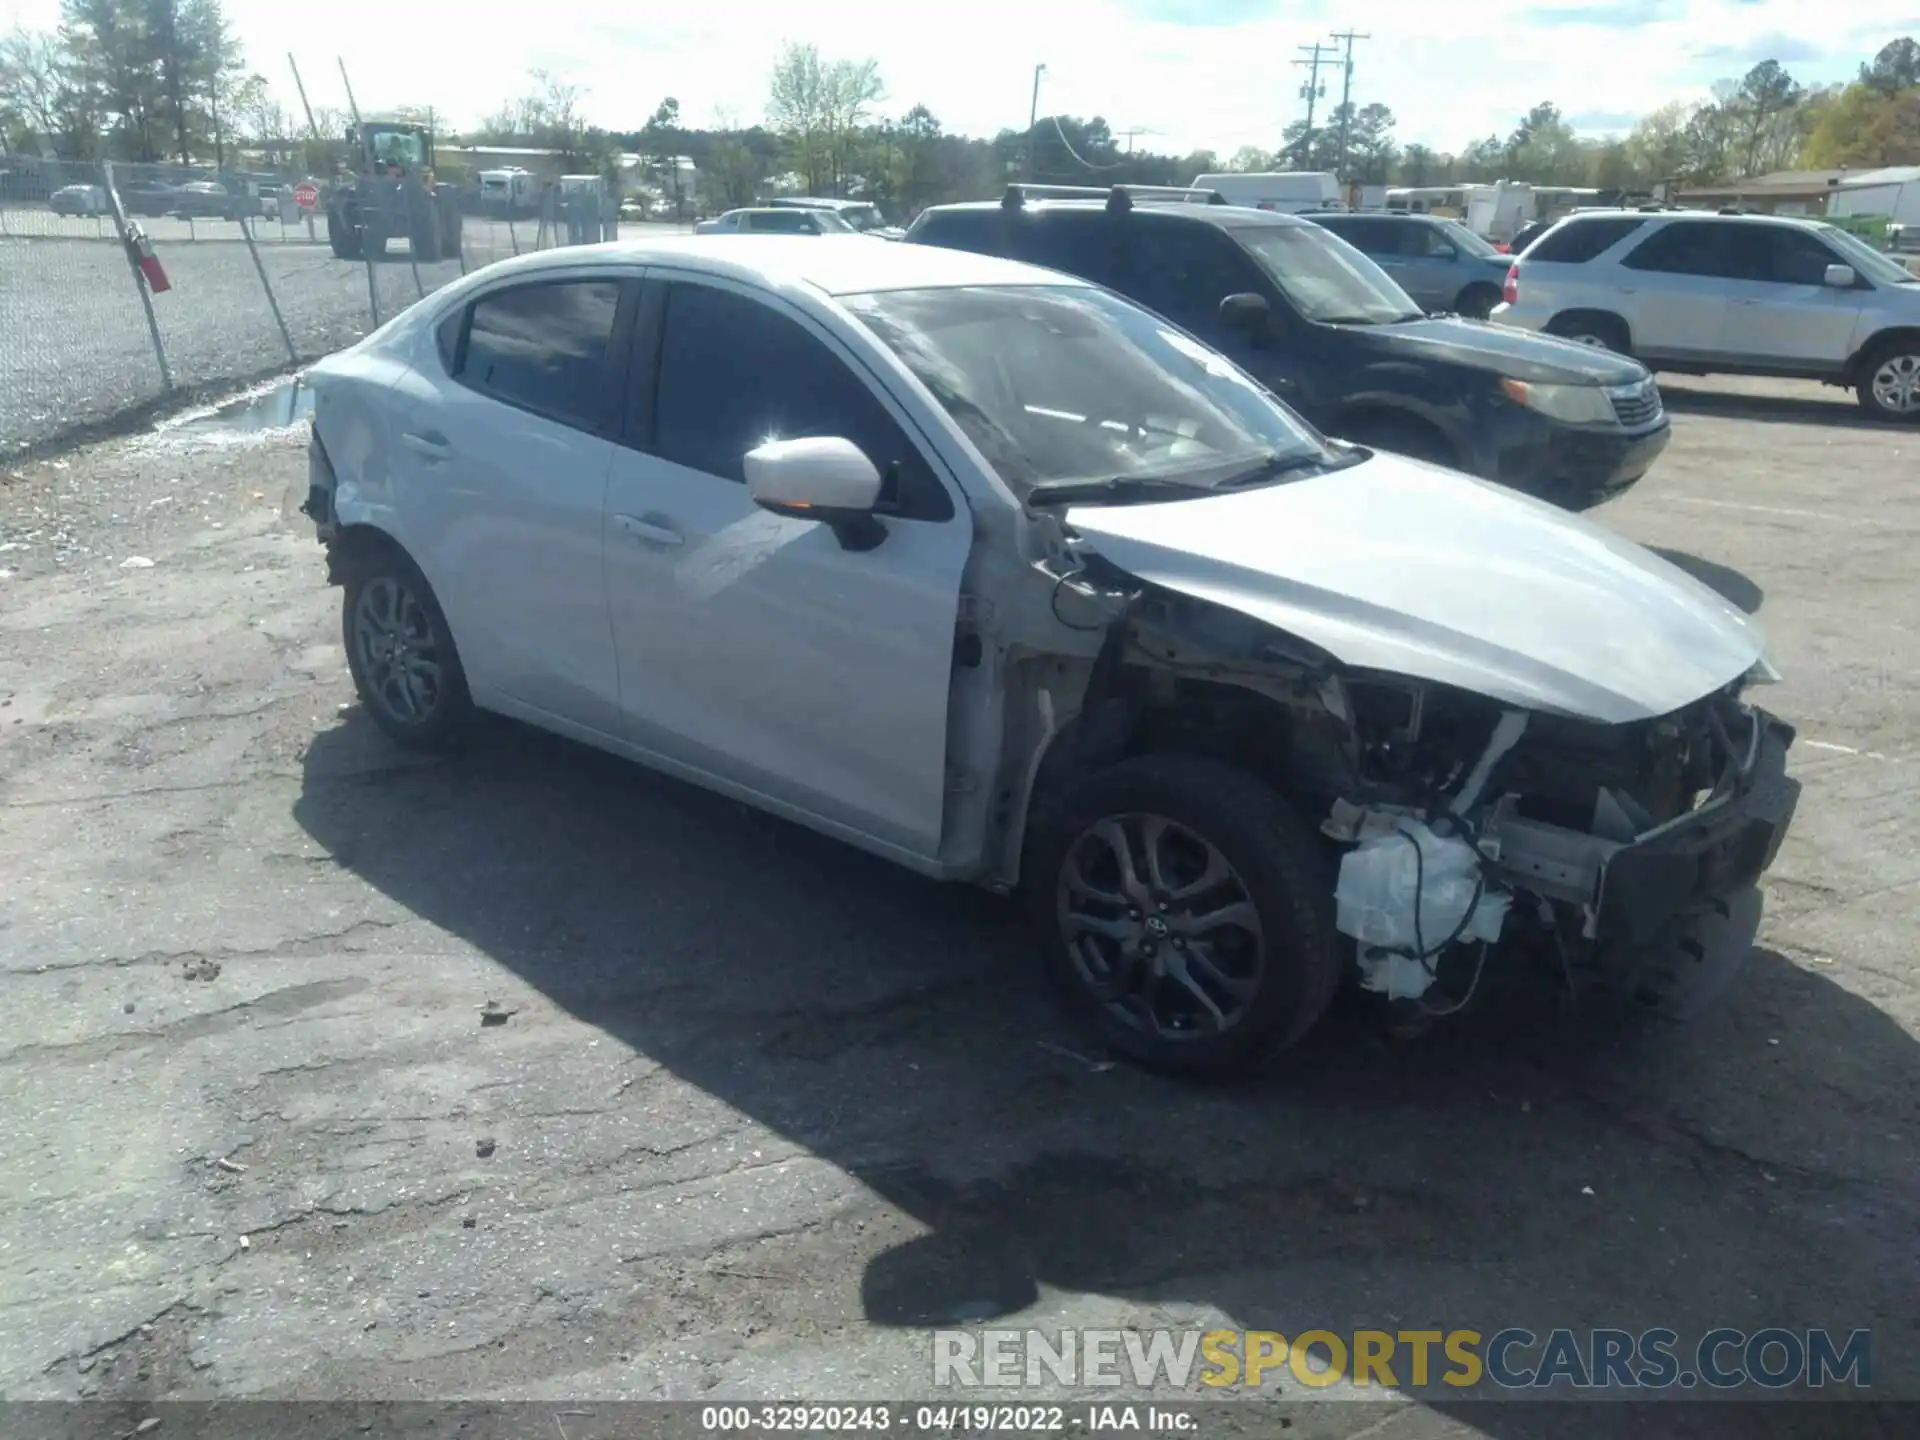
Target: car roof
x=1227 y=216
x=813 y=202
x=850 y=265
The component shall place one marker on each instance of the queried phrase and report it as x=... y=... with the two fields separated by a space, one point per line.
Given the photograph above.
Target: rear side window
x=1579 y=241
x=544 y=348
x=1081 y=243
x=1688 y=247
x=783 y=222
x=975 y=230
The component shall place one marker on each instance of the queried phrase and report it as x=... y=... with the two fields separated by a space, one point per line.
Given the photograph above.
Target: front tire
x=1187 y=909
x=1889 y=384
x=401 y=653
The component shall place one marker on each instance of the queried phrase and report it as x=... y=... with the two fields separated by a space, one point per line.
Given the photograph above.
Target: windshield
x=1326 y=281
x=396 y=147
x=1466 y=240
x=1063 y=385
x=861 y=217
x=1881 y=269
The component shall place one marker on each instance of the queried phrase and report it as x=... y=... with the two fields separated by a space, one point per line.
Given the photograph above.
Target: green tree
x=1895 y=68
x=1418 y=165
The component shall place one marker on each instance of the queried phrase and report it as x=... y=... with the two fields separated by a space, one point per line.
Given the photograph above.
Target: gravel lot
x=765 y=1108
x=75 y=350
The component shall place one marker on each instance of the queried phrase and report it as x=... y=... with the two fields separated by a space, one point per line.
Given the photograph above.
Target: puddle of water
x=286 y=403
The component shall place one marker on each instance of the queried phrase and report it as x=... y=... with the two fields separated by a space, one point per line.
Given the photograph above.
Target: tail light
x=1511 y=291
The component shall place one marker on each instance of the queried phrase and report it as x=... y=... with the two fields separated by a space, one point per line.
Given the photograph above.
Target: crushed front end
x=1622 y=857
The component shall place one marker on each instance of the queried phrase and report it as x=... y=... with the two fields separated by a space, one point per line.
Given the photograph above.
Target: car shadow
x=1730 y=584
x=1527 y=1170
x=1840 y=410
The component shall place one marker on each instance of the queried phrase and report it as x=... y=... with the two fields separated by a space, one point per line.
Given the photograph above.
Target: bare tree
x=33 y=83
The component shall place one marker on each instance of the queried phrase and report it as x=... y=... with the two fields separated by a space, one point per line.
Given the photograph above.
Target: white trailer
x=512 y=191
x=1289 y=191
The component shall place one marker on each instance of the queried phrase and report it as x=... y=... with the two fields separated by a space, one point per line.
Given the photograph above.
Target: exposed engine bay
x=1467 y=831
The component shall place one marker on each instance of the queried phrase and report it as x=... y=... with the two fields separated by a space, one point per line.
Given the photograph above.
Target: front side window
x=544 y=348
x=1464 y=240
x=736 y=374
x=1333 y=284
x=1776 y=255
x=1879 y=268
x=1066 y=385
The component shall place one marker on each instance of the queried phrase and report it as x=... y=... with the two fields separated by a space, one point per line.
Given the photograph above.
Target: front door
x=503 y=453
x=1781 y=311
x=752 y=648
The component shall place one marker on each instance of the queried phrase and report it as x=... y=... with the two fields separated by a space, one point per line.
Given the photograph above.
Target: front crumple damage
x=1465 y=831
x=1408 y=569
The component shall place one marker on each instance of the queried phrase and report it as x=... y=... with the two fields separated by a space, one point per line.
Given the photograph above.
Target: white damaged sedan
x=989 y=572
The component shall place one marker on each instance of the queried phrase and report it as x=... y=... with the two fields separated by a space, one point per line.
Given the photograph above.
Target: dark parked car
x=1325 y=329
x=149 y=198
x=1441 y=263
x=206 y=200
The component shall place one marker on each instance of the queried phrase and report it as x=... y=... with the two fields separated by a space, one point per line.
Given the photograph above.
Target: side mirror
x=1246 y=311
x=823 y=478
x=1839 y=277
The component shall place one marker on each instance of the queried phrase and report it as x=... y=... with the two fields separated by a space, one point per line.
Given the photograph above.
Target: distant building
x=1782 y=192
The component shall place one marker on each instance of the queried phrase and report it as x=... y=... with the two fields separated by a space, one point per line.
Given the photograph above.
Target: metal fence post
x=513 y=236
x=139 y=279
x=412 y=192
x=246 y=229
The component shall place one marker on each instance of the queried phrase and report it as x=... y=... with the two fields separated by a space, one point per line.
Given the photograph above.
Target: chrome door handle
x=650 y=531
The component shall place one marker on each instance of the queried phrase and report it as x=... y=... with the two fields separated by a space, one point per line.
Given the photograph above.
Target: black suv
x=1324 y=328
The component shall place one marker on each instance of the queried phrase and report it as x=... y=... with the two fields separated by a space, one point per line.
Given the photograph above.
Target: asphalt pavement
x=761 y=1110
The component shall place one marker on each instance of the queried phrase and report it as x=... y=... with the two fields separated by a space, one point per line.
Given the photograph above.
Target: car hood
x=1399 y=566
x=1504 y=350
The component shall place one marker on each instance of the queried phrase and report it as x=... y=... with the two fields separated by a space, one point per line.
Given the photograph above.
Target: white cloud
x=1450 y=73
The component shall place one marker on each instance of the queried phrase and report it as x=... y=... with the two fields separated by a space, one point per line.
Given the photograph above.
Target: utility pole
x=1347 y=37
x=1033 y=116
x=1317 y=55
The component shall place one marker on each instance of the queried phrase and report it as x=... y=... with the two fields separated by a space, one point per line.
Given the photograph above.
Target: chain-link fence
x=253 y=285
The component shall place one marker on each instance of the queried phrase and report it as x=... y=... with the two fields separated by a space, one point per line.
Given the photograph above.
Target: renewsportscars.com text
x=1509 y=1359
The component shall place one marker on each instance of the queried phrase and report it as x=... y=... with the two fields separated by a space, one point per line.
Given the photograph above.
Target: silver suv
x=1698 y=293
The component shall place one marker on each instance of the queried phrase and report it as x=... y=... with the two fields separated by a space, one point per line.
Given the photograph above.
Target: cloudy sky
x=1186 y=74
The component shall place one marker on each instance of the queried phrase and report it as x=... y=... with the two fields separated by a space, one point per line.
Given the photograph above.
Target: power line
x=1346 y=95
x=1088 y=164
x=1311 y=91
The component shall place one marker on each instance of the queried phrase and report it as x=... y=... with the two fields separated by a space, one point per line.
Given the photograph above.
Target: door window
x=1688 y=247
x=544 y=348
x=1777 y=255
x=1184 y=271
x=735 y=374
x=783 y=222
x=1080 y=244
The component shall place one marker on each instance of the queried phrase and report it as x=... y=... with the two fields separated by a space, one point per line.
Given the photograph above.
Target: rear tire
x=1476 y=302
x=401 y=652
x=1211 y=946
x=342 y=238
x=1602 y=332
x=1889 y=381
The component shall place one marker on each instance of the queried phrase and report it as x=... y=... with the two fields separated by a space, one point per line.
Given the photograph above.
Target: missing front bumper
x=1640 y=891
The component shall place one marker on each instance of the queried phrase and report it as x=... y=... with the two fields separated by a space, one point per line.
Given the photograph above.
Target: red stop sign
x=306 y=195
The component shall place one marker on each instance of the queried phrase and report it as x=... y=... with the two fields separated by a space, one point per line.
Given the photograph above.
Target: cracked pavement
x=764 y=1108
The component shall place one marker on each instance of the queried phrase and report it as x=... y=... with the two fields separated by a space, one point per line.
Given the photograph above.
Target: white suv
x=1700 y=293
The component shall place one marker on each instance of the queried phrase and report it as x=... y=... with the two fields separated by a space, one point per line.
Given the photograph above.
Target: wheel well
x=1568 y=319
x=1475 y=285
x=1297 y=751
x=1899 y=333
x=354 y=547
x=1390 y=419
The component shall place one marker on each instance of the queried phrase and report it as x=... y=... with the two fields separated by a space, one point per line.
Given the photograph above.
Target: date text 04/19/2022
x=955 y=1419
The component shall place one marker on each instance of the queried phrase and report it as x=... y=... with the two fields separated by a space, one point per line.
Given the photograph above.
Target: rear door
x=753 y=649
x=503 y=453
x=1675 y=286
x=1781 y=311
